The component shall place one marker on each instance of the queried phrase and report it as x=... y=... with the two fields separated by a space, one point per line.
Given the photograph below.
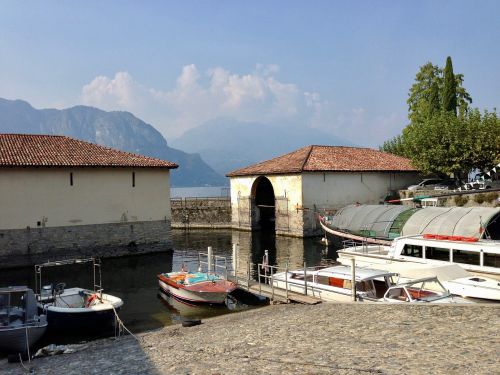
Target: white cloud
x=255 y=97
x=197 y=97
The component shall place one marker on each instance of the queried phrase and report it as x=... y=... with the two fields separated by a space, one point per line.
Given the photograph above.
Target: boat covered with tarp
x=382 y=223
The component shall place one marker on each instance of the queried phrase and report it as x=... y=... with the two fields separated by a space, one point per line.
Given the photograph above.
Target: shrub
x=461 y=200
x=479 y=198
x=490 y=197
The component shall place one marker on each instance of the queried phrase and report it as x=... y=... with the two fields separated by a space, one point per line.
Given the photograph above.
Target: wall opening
x=263 y=194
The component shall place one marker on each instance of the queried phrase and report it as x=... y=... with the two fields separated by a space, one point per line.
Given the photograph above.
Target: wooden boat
x=198 y=287
x=20 y=324
x=372 y=285
x=77 y=309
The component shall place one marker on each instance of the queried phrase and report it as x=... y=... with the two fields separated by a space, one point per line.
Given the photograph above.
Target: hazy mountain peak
x=120 y=130
x=246 y=143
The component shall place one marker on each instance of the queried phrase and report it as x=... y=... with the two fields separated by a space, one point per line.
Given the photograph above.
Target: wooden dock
x=273 y=293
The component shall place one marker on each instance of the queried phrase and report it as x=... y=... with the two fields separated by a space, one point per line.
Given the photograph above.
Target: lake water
x=200 y=192
x=133 y=278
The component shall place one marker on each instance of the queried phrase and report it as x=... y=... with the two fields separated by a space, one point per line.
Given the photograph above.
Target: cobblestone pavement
x=285 y=339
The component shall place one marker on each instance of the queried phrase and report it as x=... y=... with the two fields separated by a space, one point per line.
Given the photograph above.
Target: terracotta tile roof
x=329 y=159
x=23 y=150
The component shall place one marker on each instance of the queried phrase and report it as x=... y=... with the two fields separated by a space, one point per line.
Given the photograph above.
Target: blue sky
x=342 y=67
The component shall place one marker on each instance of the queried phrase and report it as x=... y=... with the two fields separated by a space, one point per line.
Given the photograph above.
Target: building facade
x=60 y=196
x=287 y=192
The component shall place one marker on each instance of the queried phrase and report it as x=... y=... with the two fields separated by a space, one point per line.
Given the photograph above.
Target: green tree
x=449 y=88
x=443 y=136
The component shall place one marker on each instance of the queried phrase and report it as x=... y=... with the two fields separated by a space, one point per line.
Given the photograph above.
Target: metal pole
x=353 y=279
x=209 y=255
x=286 y=281
x=305 y=278
x=272 y=284
x=235 y=258
x=248 y=271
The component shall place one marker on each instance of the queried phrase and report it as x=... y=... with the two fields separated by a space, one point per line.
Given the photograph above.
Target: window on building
x=71 y=178
x=133 y=179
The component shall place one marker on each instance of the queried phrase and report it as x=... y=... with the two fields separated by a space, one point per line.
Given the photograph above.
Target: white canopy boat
x=77 y=309
x=454 y=278
x=335 y=284
x=475 y=255
x=20 y=324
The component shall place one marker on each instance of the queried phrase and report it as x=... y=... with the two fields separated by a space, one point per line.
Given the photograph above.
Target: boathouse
x=62 y=196
x=286 y=193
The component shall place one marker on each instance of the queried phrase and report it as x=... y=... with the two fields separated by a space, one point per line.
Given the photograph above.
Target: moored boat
x=479 y=256
x=198 y=287
x=20 y=324
x=371 y=285
x=77 y=309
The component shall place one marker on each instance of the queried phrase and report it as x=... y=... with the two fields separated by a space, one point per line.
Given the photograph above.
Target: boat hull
x=81 y=321
x=76 y=316
x=14 y=339
x=193 y=296
x=336 y=237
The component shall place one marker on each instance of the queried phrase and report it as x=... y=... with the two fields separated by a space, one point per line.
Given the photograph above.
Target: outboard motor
x=46 y=292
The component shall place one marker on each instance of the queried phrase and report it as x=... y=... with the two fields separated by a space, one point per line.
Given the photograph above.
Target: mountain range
x=120 y=130
x=228 y=144
x=209 y=151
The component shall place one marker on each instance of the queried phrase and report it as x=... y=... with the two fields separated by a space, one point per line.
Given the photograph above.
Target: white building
x=287 y=191
x=59 y=194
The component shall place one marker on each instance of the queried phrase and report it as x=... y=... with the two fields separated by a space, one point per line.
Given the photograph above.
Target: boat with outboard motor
x=76 y=309
x=20 y=324
x=334 y=283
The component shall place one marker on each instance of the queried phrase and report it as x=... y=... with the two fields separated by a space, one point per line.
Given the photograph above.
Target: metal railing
x=268 y=277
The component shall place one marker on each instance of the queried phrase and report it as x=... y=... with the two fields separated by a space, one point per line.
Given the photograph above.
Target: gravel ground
x=285 y=339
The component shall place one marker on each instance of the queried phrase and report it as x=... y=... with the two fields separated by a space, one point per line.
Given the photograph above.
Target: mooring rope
x=121 y=325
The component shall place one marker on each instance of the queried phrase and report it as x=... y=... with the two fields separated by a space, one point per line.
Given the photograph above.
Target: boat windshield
x=426 y=290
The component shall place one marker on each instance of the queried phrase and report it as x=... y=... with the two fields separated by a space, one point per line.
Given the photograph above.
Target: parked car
x=426 y=184
x=449 y=185
x=482 y=185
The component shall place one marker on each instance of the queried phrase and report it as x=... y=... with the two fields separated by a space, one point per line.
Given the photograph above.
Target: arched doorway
x=263 y=194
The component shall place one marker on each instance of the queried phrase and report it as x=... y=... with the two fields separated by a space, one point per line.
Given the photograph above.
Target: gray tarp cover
x=374 y=217
x=450 y=221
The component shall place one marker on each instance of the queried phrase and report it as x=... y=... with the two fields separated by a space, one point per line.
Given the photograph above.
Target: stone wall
x=20 y=247
x=201 y=212
x=485 y=198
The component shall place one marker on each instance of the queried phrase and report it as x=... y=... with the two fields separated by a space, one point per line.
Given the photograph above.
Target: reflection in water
x=133 y=278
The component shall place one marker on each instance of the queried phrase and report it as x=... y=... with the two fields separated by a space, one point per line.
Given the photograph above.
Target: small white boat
x=77 y=309
x=372 y=285
x=423 y=290
x=20 y=324
x=453 y=277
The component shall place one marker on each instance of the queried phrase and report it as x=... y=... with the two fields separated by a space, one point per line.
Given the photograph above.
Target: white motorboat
x=475 y=255
x=20 y=324
x=77 y=309
x=372 y=285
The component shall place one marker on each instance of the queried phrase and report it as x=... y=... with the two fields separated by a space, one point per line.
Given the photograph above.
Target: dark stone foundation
x=22 y=247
